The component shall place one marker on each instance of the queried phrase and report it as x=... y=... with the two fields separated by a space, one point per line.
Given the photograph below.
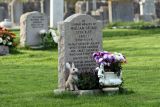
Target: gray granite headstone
x=80 y=7
x=149 y=10
x=30 y=25
x=122 y=10
x=47 y=7
x=2 y=13
x=149 y=7
x=16 y=10
x=80 y=36
x=4 y=50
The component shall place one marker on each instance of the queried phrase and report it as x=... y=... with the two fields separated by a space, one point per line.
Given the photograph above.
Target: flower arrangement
x=111 y=61
x=6 y=37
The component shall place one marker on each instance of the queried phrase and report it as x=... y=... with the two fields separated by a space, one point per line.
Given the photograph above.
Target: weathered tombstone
x=101 y=15
x=157 y=5
x=30 y=25
x=16 y=10
x=2 y=13
x=147 y=10
x=56 y=12
x=80 y=36
x=69 y=9
x=4 y=50
x=47 y=7
x=5 y=6
x=37 y=5
x=28 y=6
x=122 y=10
x=94 y=4
x=80 y=7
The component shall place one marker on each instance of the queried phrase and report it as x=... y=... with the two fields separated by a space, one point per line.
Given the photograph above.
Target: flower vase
x=4 y=50
x=111 y=79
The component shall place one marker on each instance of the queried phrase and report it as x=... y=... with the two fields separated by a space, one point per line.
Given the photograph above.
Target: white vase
x=4 y=50
x=110 y=79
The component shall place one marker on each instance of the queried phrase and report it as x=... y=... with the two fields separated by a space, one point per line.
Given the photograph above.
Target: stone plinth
x=4 y=50
x=80 y=36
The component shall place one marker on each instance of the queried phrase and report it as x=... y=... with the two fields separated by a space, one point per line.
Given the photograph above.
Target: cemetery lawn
x=28 y=77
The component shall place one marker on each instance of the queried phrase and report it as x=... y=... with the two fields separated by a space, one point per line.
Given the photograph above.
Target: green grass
x=28 y=78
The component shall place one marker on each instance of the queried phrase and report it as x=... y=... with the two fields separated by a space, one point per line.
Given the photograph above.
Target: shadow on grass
x=15 y=51
x=39 y=49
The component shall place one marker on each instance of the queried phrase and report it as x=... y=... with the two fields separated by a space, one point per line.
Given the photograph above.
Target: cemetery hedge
x=28 y=77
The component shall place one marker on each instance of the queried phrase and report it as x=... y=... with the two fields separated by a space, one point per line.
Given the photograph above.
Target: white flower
x=54 y=36
x=8 y=38
x=42 y=32
x=4 y=42
x=9 y=43
x=1 y=40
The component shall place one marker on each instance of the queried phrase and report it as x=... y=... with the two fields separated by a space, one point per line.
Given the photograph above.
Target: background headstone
x=56 y=12
x=16 y=10
x=2 y=12
x=47 y=7
x=80 y=7
x=30 y=25
x=147 y=10
x=122 y=10
x=80 y=36
x=5 y=6
x=4 y=50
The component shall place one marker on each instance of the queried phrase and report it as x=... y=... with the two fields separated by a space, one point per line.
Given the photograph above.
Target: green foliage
x=114 y=67
x=48 y=42
x=88 y=80
x=132 y=25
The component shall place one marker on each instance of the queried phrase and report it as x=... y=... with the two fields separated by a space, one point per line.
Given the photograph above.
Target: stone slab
x=31 y=24
x=4 y=50
x=80 y=37
x=79 y=92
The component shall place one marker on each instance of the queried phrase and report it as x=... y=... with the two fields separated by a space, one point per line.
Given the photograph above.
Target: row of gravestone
x=122 y=10
x=6 y=12
x=31 y=24
x=80 y=36
x=81 y=6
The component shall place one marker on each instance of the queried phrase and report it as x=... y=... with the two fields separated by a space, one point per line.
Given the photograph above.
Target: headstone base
x=4 y=50
x=111 y=90
x=79 y=92
x=37 y=47
x=147 y=18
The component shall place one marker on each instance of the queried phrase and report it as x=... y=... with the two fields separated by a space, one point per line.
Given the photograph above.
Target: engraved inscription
x=83 y=45
x=37 y=21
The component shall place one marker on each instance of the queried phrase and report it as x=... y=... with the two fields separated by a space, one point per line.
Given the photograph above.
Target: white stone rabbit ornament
x=71 y=83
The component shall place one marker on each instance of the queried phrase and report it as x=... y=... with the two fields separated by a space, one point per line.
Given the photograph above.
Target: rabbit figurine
x=72 y=78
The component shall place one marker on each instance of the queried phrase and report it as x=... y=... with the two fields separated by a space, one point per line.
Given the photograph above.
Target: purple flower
x=107 y=57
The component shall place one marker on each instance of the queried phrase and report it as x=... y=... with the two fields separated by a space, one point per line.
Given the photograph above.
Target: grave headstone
x=31 y=24
x=16 y=10
x=80 y=7
x=157 y=5
x=56 y=12
x=147 y=10
x=4 y=50
x=94 y=4
x=2 y=13
x=5 y=5
x=122 y=10
x=80 y=36
x=47 y=7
